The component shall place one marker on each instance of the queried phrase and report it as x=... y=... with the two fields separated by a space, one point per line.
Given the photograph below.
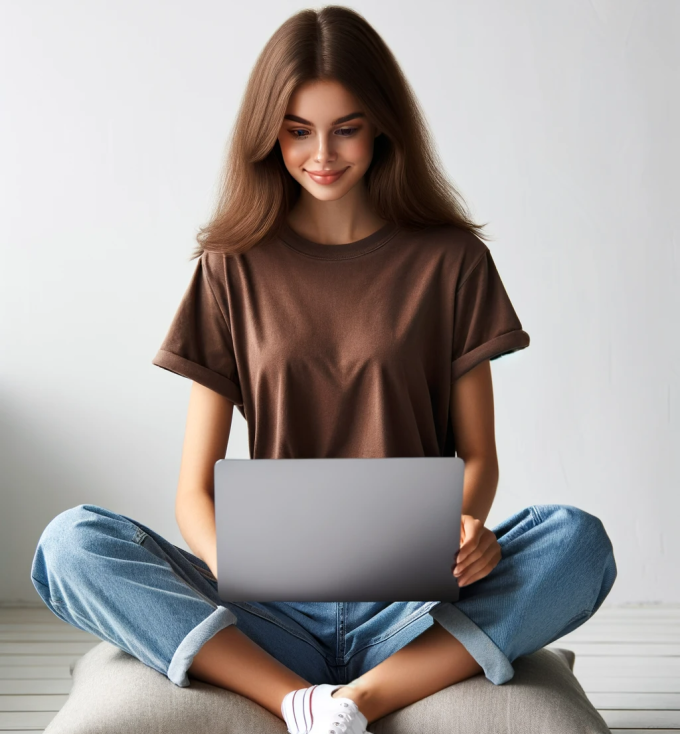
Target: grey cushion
x=114 y=693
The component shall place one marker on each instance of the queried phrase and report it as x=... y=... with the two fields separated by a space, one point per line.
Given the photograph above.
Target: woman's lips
x=325 y=178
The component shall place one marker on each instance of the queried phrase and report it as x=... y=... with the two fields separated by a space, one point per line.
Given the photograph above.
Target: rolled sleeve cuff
x=198 y=373
x=493 y=349
x=497 y=668
x=181 y=661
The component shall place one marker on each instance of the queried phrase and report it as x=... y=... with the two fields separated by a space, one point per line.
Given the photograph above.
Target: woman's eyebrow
x=346 y=118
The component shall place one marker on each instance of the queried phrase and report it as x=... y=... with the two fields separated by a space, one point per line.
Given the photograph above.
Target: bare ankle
x=354 y=692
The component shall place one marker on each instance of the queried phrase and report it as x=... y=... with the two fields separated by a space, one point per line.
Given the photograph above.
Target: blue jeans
x=116 y=578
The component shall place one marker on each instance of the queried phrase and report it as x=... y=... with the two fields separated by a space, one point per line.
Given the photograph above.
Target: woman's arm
x=472 y=420
x=205 y=441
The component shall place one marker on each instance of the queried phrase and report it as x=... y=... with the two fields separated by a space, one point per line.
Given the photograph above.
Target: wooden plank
x=669 y=613
x=640 y=605
x=599 y=623
x=34 y=672
x=641 y=701
x=627 y=666
x=32 y=703
x=7 y=661
x=616 y=649
x=639 y=616
x=29 y=615
x=594 y=623
x=629 y=632
x=25 y=719
x=46 y=648
x=35 y=686
x=628 y=608
x=55 y=624
x=48 y=636
x=598 y=620
x=41 y=626
x=630 y=684
x=641 y=719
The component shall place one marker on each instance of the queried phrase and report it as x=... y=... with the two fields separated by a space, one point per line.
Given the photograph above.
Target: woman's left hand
x=479 y=551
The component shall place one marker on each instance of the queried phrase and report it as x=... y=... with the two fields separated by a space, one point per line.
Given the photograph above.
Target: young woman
x=346 y=304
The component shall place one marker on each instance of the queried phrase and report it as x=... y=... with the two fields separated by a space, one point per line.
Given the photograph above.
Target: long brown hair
x=405 y=182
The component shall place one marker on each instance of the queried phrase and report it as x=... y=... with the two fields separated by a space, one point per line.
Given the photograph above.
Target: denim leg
x=102 y=573
x=557 y=568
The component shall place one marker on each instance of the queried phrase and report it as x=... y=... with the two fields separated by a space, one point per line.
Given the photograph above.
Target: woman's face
x=325 y=130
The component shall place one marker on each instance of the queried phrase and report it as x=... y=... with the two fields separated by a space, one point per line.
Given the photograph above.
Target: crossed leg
x=557 y=568
x=432 y=661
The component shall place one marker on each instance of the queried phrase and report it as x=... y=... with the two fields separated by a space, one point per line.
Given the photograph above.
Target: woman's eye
x=345 y=132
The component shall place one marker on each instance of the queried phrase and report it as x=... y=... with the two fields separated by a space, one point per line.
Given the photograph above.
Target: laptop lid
x=355 y=529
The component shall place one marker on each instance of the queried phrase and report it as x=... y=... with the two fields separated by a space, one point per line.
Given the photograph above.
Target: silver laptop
x=370 y=529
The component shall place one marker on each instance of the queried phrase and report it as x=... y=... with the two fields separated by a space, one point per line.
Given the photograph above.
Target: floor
x=627 y=660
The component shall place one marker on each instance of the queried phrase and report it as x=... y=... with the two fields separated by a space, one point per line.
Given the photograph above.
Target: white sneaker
x=313 y=710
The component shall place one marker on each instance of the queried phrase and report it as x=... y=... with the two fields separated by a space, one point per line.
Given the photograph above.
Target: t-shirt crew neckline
x=339 y=252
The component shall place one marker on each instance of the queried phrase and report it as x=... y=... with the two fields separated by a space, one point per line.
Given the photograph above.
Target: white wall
x=554 y=119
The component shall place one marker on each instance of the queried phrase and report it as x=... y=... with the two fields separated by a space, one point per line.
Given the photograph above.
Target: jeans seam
x=53 y=600
x=63 y=607
x=85 y=621
x=583 y=613
x=395 y=630
x=535 y=514
x=173 y=567
x=275 y=620
x=139 y=536
x=206 y=574
x=340 y=630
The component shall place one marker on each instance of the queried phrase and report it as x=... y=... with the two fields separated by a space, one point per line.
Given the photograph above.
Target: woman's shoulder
x=458 y=248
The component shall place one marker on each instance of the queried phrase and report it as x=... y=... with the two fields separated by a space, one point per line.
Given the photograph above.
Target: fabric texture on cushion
x=114 y=692
x=543 y=697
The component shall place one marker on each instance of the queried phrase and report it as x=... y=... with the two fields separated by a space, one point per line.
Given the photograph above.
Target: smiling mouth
x=325 y=176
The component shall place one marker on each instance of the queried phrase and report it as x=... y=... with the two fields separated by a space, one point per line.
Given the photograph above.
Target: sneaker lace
x=341 y=720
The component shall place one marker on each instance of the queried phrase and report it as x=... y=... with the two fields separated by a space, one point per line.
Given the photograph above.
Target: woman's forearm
x=479 y=487
x=195 y=513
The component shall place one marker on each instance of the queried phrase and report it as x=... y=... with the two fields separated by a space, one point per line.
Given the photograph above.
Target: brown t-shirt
x=344 y=350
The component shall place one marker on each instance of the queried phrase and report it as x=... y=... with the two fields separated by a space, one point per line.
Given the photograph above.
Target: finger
x=473 y=529
x=484 y=542
x=469 y=559
x=462 y=559
x=473 y=574
x=470 y=578
x=475 y=566
x=467 y=554
x=492 y=555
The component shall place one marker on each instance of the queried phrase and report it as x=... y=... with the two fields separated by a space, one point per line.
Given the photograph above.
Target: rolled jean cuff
x=181 y=661
x=497 y=668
